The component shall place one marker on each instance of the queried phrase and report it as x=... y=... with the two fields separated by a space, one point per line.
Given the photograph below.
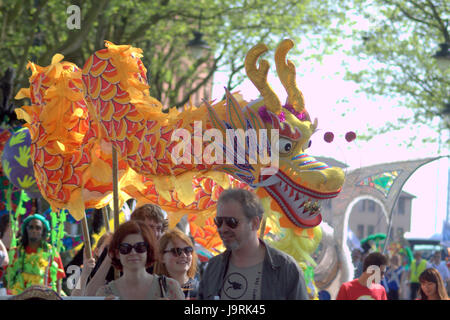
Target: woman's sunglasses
x=230 y=222
x=177 y=251
x=140 y=247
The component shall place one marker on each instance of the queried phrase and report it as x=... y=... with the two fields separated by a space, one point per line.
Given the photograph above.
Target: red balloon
x=328 y=137
x=350 y=136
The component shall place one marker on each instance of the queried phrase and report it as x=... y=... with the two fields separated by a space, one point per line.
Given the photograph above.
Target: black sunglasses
x=177 y=251
x=30 y=227
x=140 y=247
x=230 y=221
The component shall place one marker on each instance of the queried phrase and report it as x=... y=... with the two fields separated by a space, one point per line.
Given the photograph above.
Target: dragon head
x=297 y=182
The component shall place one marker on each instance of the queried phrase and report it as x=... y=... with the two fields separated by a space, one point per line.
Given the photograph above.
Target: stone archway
x=356 y=201
x=381 y=183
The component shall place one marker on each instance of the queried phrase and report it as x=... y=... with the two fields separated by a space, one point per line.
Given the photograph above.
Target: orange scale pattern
x=68 y=142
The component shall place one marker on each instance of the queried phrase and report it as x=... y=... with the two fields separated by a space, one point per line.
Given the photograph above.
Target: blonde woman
x=178 y=260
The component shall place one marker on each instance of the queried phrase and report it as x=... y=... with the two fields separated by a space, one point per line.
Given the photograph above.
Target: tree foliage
x=398 y=48
x=37 y=29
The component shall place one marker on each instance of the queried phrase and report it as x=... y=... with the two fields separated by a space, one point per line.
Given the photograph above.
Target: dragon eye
x=285 y=145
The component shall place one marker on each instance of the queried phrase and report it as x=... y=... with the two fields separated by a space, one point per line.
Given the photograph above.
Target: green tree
x=398 y=49
x=37 y=29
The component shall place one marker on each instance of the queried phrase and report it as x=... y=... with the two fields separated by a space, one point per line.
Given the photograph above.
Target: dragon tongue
x=292 y=193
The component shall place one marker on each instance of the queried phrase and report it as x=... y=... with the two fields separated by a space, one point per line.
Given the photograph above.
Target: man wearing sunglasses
x=249 y=269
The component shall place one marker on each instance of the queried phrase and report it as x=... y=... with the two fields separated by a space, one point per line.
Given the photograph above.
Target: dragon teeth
x=306 y=206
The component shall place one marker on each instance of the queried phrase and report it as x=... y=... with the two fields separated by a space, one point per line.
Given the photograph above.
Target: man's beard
x=231 y=243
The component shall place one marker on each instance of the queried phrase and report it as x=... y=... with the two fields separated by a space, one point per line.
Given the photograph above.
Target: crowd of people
x=144 y=259
x=419 y=280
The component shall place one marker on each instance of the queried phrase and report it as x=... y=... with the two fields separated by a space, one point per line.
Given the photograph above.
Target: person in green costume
x=31 y=264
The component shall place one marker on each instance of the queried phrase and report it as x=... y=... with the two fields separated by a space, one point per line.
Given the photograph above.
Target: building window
x=401 y=206
x=371 y=206
x=370 y=230
x=400 y=233
x=360 y=231
x=363 y=205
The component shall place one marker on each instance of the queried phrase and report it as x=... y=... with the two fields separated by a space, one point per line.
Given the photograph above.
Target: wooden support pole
x=115 y=196
x=106 y=218
x=87 y=240
x=115 y=188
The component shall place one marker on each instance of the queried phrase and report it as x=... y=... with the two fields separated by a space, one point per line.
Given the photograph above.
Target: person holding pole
x=153 y=217
x=133 y=249
x=89 y=265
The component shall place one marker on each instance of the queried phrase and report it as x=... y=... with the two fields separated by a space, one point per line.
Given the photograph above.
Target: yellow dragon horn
x=259 y=77
x=286 y=73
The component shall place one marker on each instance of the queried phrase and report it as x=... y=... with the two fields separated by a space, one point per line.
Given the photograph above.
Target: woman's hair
x=152 y=212
x=132 y=227
x=103 y=238
x=432 y=275
x=171 y=236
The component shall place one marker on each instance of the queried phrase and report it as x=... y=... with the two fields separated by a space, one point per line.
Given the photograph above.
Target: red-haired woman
x=178 y=260
x=132 y=250
x=431 y=286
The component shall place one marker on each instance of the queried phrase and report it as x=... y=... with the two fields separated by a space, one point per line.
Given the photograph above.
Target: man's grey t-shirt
x=242 y=283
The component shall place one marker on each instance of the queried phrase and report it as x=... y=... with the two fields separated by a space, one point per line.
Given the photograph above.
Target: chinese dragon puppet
x=77 y=115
